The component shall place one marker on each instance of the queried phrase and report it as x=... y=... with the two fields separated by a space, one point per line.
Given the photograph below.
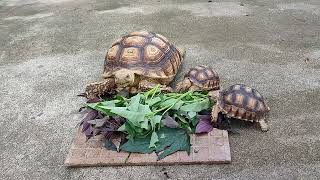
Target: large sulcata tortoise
x=137 y=62
x=242 y=102
x=200 y=78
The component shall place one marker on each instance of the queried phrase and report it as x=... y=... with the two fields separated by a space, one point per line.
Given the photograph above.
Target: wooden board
x=211 y=148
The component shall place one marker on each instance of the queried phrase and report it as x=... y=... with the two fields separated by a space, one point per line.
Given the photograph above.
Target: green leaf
x=109 y=103
x=152 y=91
x=134 y=103
x=145 y=109
x=192 y=114
x=92 y=105
x=154 y=140
x=169 y=142
x=123 y=101
x=180 y=118
x=145 y=124
x=122 y=128
x=197 y=106
x=137 y=145
x=155 y=121
x=101 y=109
x=168 y=102
x=153 y=101
x=178 y=105
x=194 y=122
x=134 y=117
x=186 y=126
x=131 y=131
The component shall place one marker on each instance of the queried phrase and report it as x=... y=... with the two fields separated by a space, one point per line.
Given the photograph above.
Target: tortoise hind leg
x=215 y=112
x=99 y=88
x=263 y=125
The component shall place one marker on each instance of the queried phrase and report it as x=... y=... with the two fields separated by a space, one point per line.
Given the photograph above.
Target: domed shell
x=204 y=77
x=243 y=102
x=146 y=53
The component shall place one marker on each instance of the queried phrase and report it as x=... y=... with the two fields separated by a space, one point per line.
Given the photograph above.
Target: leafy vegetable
x=170 y=141
x=152 y=121
x=94 y=124
x=87 y=129
x=204 y=125
x=169 y=122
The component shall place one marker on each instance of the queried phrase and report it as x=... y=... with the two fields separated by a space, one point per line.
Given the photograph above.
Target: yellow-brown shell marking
x=204 y=77
x=243 y=102
x=147 y=53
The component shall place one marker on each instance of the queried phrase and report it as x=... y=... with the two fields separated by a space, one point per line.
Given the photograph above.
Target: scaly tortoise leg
x=145 y=85
x=195 y=88
x=215 y=112
x=184 y=85
x=214 y=94
x=263 y=125
x=99 y=88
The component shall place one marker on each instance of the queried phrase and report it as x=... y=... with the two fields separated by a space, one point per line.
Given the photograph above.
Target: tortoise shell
x=243 y=102
x=204 y=77
x=146 y=53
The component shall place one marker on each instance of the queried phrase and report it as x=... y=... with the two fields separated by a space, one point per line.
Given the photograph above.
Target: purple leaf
x=83 y=110
x=100 y=115
x=94 y=123
x=96 y=132
x=110 y=128
x=92 y=114
x=86 y=127
x=97 y=122
x=89 y=132
x=106 y=129
x=169 y=122
x=204 y=125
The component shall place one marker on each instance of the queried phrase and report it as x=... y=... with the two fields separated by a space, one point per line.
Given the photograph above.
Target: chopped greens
x=152 y=121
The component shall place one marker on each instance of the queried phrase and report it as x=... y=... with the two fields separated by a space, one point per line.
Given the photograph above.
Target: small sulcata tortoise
x=137 y=62
x=242 y=102
x=200 y=78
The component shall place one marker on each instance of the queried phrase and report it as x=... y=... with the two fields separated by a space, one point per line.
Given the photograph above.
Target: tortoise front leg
x=214 y=94
x=214 y=113
x=98 y=89
x=146 y=85
x=183 y=85
x=263 y=125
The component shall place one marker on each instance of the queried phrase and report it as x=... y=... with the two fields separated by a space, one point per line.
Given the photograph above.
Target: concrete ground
x=49 y=49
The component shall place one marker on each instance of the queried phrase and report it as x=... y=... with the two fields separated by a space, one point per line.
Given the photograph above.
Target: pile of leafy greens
x=151 y=121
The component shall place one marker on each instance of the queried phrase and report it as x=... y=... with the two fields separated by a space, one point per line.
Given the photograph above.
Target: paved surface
x=49 y=49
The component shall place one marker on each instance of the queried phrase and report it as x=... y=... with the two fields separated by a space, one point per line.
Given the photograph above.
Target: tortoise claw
x=263 y=125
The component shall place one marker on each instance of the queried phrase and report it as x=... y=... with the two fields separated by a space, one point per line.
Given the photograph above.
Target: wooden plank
x=211 y=148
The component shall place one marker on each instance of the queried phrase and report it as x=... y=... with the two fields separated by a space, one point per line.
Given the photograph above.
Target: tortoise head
x=125 y=77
